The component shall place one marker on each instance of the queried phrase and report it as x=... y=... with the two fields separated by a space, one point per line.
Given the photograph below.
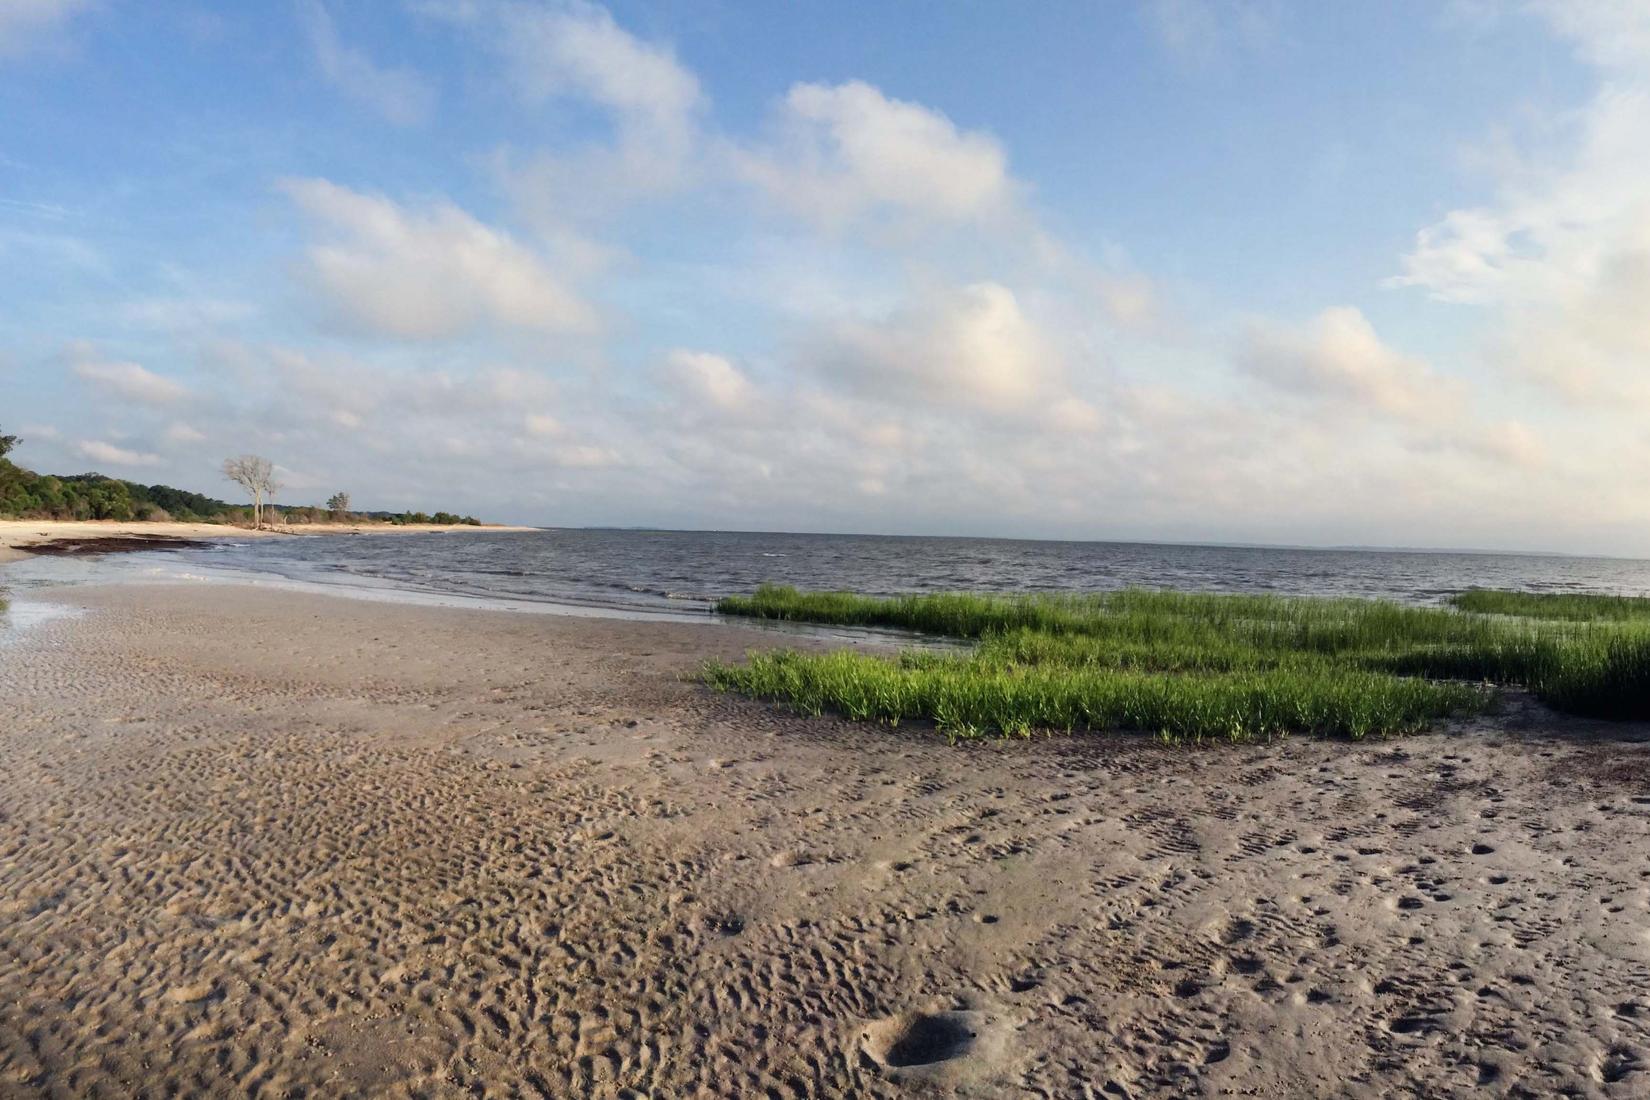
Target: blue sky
x=1177 y=269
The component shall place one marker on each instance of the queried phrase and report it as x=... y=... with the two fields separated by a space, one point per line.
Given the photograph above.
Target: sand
x=272 y=844
x=17 y=536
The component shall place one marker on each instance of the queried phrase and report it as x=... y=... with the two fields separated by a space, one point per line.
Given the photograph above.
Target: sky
x=1250 y=271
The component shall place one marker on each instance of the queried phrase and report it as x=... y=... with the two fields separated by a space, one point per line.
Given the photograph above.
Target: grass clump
x=1190 y=666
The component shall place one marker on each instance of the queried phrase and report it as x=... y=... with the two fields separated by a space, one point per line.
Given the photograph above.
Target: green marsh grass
x=1190 y=666
x=1554 y=605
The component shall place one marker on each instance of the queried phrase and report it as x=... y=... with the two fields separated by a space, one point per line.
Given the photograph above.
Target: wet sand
x=262 y=843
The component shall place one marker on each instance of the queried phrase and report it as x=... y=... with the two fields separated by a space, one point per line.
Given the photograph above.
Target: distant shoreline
x=24 y=538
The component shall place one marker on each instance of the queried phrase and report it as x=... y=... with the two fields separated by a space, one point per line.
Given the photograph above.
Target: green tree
x=10 y=476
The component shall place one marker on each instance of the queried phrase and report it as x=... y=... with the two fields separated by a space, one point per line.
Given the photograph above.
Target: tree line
x=25 y=494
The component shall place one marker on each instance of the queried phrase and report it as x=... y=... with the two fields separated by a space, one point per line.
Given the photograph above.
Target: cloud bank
x=850 y=311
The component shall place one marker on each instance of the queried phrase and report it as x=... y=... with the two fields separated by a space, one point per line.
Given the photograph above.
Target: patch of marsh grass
x=1189 y=666
x=969 y=698
x=1570 y=607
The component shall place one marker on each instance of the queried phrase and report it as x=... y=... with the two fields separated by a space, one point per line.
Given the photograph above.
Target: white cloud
x=179 y=432
x=1073 y=414
x=577 y=49
x=1509 y=443
x=971 y=345
x=358 y=393
x=847 y=150
x=1131 y=300
x=25 y=24
x=400 y=95
x=1560 y=257
x=1339 y=357
x=398 y=432
x=711 y=379
x=543 y=425
x=129 y=381
x=427 y=273
x=586 y=456
x=1589 y=338
x=1609 y=33
x=99 y=451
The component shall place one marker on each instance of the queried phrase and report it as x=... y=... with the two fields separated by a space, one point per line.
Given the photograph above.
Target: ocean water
x=686 y=571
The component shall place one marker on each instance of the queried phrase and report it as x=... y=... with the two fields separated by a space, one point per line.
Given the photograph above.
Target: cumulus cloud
x=577 y=48
x=711 y=379
x=128 y=381
x=972 y=345
x=399 y=94
x=26 y=24
x=1339 y=357
x=99 y=451
x=845 y=150
x=426 y=273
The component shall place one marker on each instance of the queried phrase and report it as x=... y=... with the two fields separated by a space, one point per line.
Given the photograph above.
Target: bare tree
x=338 y=505
x=271 y=487
x=256 y=475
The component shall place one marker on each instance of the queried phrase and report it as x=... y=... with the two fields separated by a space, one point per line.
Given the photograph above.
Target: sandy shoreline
x=18 y=536
x=267 y=843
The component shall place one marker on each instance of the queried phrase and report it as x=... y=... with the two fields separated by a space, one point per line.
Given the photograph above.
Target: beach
x=272 y=843
x=20 y=537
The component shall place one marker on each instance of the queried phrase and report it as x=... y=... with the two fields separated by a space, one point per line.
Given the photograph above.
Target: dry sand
x=17 y=536
x=270 y=844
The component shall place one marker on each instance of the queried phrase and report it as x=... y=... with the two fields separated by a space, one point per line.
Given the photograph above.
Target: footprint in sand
x=189 y=994
x=933 y=1044
x=791 y=857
